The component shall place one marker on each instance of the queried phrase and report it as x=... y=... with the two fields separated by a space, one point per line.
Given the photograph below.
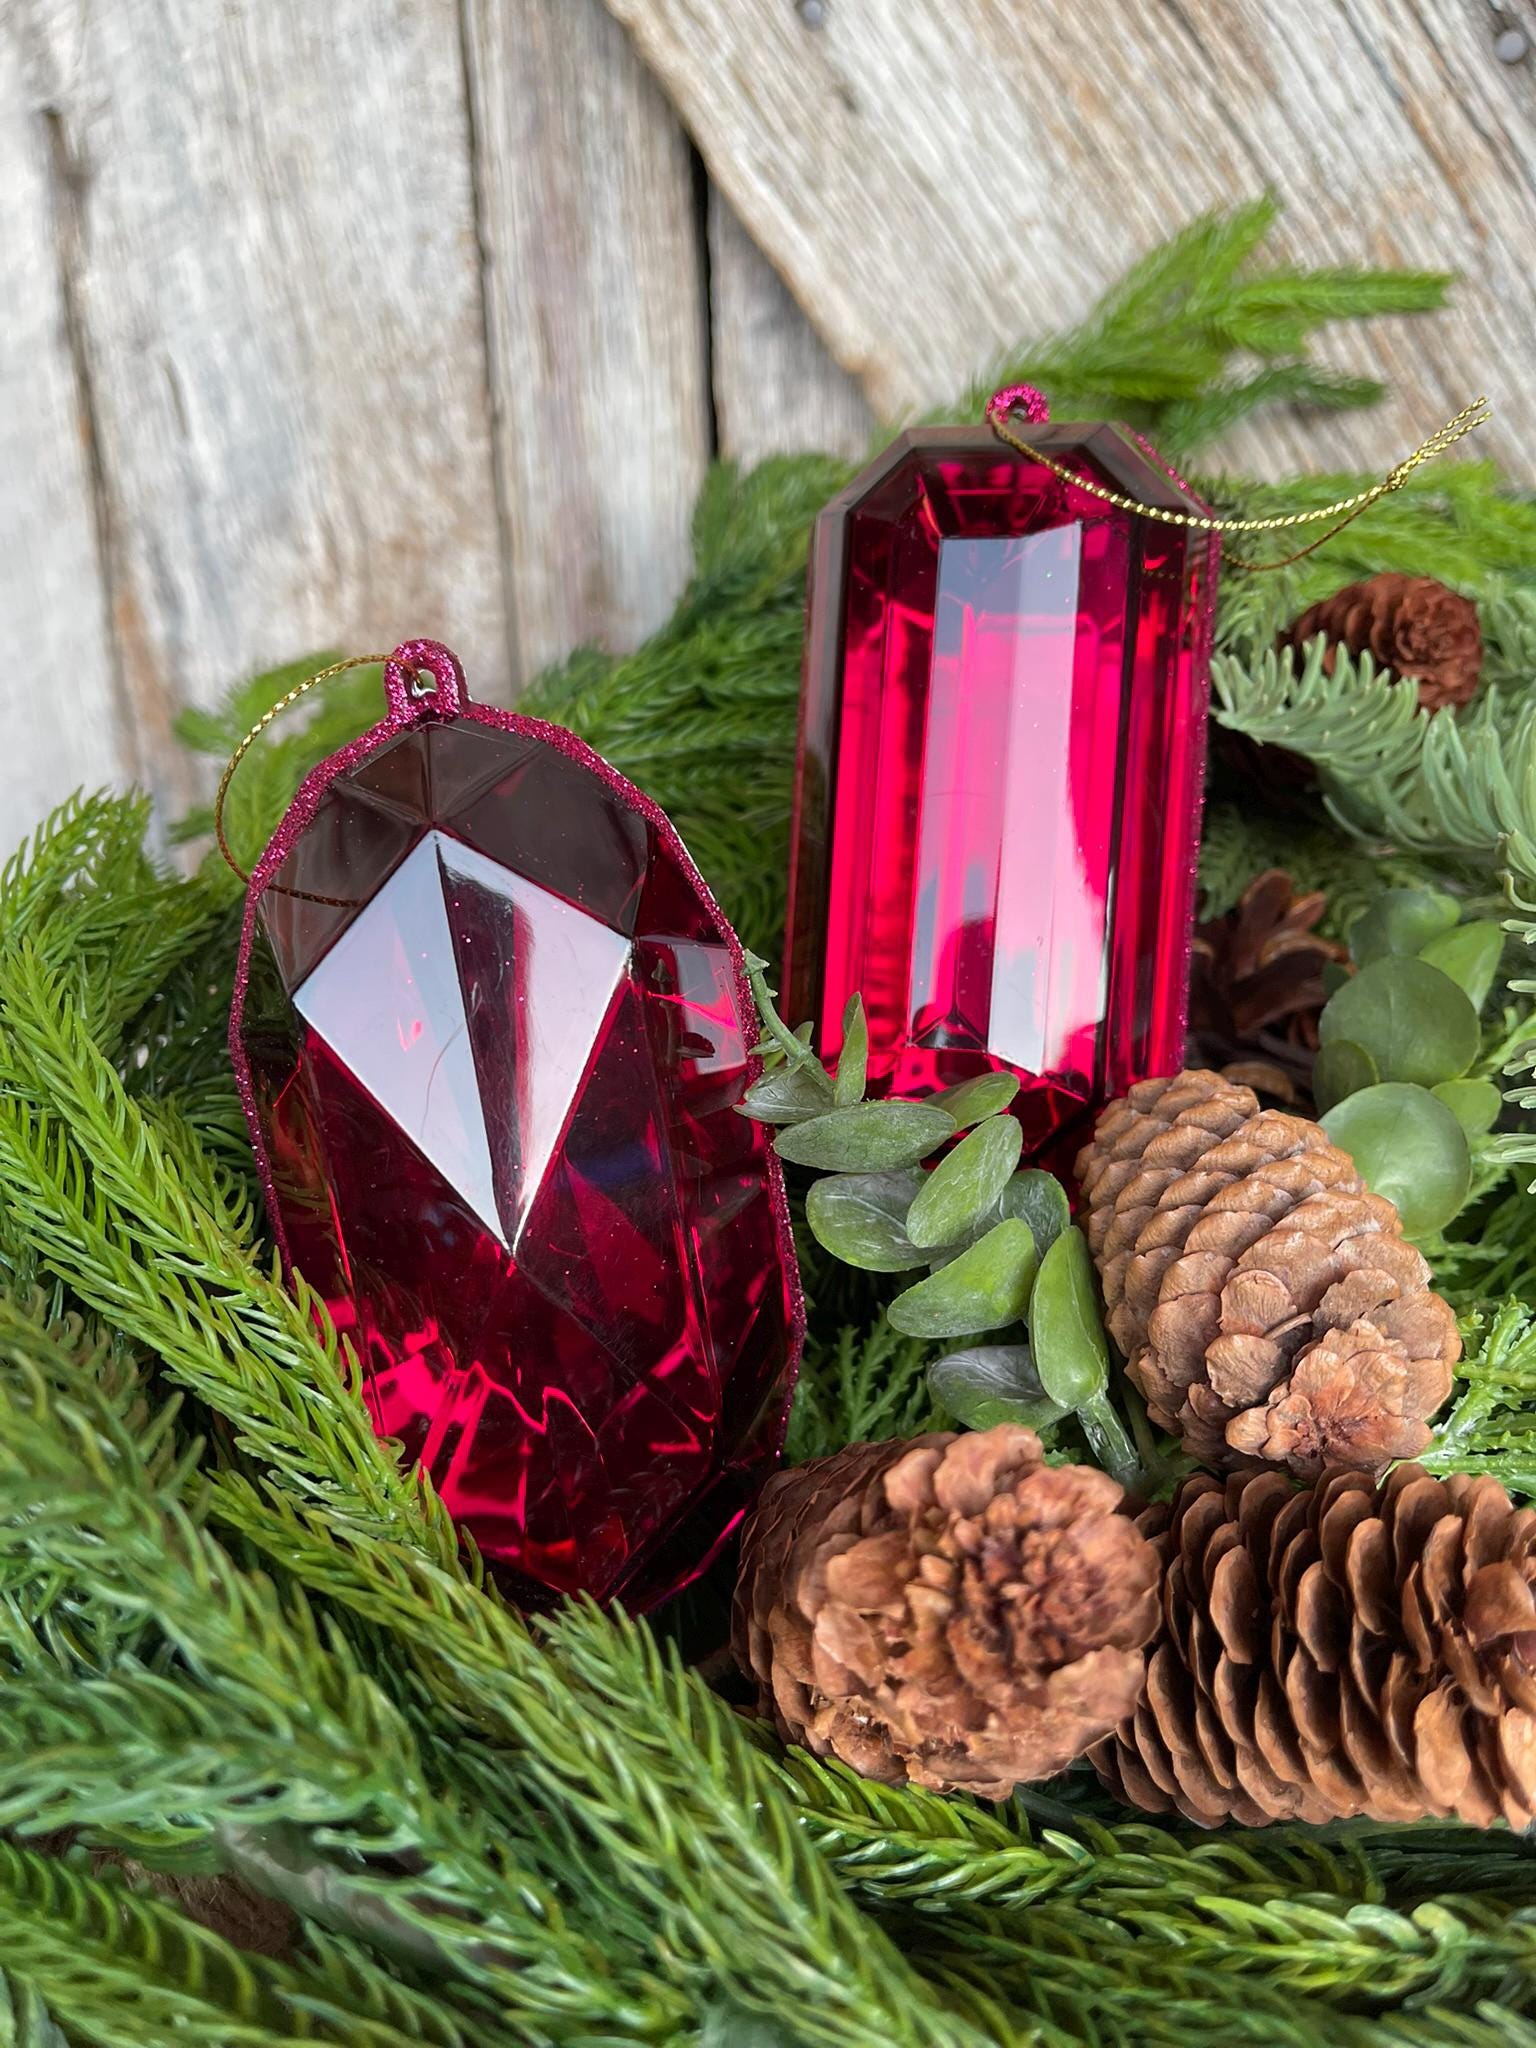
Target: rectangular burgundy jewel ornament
x=1001 y=764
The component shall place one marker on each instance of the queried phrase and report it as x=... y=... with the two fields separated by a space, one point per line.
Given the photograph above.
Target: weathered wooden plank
x=277 y=282
x=595 y=295
x=61 y=724
x=776 y=389
x=936 y=182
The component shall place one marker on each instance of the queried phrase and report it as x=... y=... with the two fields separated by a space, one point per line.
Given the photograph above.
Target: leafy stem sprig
x=996 y=1238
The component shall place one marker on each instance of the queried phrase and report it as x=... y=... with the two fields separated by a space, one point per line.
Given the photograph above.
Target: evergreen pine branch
x=42 y=1603
x=1491 y=1426
x=909 y=1847
x=592 y=1717
x=84 y=894
x=176 y=1048
x=1343 y=714
x=949 y=1854
x=1437 y=2026
x=1517 y=801
x=1423 y=783
x=1171 y=346
x=1458 y=521
x=1039 y=1972
x=159 y=1253
x=273 y=770
x=25 y=2021
x=126 y=1970
x=1239 y=841
x=1193 y=423
x=952 y=1858
x=868 y=1383
x=267 y=1718
x=76 y=1163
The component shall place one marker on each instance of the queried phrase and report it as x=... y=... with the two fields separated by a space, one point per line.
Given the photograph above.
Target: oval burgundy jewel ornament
x=490 y=1029
x=1001 y=758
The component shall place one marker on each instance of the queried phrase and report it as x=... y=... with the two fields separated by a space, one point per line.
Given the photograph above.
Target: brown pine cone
x=1256 y=987
x=1141 y=1145
x=946 y=1610
x=1349 y=1649
x=1268 y=1306
x=1413 y=625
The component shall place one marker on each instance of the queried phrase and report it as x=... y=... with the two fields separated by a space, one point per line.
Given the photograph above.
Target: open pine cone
x=1413 y=625
x=947 y=1610
x=1349 y=1649
x=1256 y=987
x=1268 y=1307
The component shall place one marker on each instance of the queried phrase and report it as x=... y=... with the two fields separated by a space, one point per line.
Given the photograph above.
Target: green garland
x=237 y=1639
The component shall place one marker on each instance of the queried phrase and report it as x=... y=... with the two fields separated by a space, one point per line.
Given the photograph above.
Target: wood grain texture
x=59 y=704
x=277 y=281
x=937 y=183
x=776 y=388
x=595 y=297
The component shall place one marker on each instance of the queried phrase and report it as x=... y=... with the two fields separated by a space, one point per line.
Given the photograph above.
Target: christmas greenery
x=239 y=1643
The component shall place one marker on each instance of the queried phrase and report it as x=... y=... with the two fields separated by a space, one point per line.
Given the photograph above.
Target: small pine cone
x=1140 y=1146
x=1313 y=1340
x=947 y=1610
x=1268 y=1306
x=1260 y=967
x=1349 y=1649
x=1413 y=625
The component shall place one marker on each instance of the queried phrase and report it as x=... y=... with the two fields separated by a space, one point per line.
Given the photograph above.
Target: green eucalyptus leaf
x=867 y=1137
x=1041 y=1200
x=860 y=1218
x=966 y=1183
x=853 y=1060
x=1413 y=1020
x=788 y=1095
x=1408 y=1146
x=1470 y=955
x=983 y=1095
x=1399 y=922
x=985 y=1288
x=1341 y=1067
x=1066 y=1324
x=1333 y=976
x=1036 y=1197
x=1474 y=1104
x=992 y=1383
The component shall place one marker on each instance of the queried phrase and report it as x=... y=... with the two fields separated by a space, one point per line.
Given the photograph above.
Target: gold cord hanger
x=1342 y=511
x=274 y=711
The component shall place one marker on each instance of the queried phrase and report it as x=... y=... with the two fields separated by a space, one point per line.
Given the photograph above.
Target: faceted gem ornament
x=491 y=1029
x=1001 y=758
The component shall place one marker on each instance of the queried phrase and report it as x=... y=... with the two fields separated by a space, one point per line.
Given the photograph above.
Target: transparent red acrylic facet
x=495 y=1043
x=1002 y=746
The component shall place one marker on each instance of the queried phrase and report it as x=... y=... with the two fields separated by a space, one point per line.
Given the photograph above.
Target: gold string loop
x=272 y=712
x=1342 y=511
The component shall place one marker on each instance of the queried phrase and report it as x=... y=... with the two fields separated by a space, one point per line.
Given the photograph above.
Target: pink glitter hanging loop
x=408 y=697
x=1029 y=399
